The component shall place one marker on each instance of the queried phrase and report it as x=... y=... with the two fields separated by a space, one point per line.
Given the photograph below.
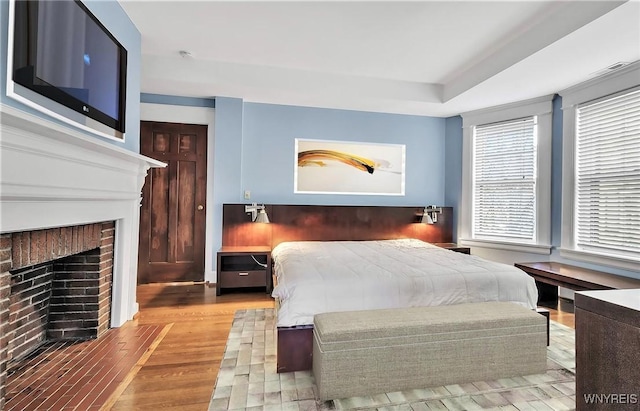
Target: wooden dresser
x=608 y=349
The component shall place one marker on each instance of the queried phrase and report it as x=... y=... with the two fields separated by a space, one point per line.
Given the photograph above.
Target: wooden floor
x=180 y=371
x=79 y=375
x=562 y=312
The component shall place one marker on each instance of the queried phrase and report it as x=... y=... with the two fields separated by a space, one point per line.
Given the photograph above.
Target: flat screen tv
x=64 y=53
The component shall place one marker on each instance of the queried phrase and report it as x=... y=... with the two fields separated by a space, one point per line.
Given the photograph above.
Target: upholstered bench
x=359 y=353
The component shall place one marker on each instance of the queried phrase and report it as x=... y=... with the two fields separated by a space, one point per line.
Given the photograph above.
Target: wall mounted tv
x=64 y=53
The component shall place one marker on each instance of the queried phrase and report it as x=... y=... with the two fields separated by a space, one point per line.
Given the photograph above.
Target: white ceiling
x=437 y=58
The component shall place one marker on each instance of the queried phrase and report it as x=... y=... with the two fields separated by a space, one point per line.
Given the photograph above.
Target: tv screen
x=64 y=53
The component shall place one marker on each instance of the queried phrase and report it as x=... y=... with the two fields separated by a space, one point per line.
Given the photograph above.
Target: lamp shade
x=262 y=216
x=430 y=214
x=426 y=218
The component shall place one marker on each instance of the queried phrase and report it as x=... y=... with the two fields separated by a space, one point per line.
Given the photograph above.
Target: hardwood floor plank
x=181 y=372
x=80 y=374
x=179 y=369
x=562 y=312
x=108 y=401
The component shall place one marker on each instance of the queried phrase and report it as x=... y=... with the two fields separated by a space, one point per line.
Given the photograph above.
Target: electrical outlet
x=247 y=195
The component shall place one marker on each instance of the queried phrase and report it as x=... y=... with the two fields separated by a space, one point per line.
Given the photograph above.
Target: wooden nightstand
x=242 y=267
x=454 y=247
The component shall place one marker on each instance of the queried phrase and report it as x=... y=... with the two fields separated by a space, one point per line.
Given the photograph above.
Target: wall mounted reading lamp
x=430 y=214
x=258 y=213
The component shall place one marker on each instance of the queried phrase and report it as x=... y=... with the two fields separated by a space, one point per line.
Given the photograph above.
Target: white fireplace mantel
x=54 y=176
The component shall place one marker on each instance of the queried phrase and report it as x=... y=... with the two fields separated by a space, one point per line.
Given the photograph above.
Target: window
x=506 y=183
x=601 y=170
x=504 y=180
x=608 y=174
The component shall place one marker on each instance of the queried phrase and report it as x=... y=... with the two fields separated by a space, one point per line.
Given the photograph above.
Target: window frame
x=541 y=108
x=592 y=90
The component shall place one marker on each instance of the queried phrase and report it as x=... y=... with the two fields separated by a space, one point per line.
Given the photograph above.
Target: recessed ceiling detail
x=437 y=58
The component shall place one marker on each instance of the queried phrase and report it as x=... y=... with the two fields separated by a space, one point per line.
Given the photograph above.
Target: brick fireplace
x=59 y=287
x=69 y=217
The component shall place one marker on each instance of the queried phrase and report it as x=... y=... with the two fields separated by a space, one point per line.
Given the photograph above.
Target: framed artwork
x=341 y=167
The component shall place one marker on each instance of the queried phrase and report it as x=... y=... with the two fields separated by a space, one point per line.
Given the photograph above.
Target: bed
x=323 y=276
x=358 y=224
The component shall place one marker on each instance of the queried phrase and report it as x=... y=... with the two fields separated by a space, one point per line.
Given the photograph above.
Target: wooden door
x=172 y=216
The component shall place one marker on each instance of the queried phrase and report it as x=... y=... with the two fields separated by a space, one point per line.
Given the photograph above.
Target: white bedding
x=315 y=277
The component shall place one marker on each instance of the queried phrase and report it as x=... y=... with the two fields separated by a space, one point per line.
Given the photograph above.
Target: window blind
x=504 y=180
x=608 y=175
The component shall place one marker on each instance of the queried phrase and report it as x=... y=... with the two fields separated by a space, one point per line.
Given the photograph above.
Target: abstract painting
x=341 y=167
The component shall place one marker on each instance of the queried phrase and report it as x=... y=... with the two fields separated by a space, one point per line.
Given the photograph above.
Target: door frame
x=169 y=113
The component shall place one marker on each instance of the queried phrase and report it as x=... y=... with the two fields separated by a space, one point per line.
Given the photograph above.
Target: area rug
x=248 y=379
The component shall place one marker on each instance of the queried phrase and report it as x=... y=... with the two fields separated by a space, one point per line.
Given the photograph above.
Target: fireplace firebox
x=56 y=284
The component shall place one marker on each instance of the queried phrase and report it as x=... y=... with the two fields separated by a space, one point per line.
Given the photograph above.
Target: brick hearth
x=54 y=284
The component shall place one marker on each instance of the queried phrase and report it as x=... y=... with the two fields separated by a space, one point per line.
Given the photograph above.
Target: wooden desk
x=550 y=275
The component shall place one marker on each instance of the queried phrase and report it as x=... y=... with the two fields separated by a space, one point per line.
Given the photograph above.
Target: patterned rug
x=248 y=379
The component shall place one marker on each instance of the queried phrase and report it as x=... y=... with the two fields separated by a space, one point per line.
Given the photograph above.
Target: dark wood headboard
x=332 y=223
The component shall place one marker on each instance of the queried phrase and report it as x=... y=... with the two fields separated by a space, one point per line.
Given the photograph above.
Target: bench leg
x=544 y=312
x=547 y=293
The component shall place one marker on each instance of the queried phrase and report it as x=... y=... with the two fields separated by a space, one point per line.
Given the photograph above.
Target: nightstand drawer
x=244 y=267
x=237 y=279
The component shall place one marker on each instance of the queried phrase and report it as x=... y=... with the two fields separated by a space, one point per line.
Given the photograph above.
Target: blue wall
x=556 y=172
x=177 y=100
x=268 y=152
x=453 y=168
x=228 y=152
x=254 y=150
x=111 y=14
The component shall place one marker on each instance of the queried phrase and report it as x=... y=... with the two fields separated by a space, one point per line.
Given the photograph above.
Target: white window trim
x=541 y=107
x=623 y=79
